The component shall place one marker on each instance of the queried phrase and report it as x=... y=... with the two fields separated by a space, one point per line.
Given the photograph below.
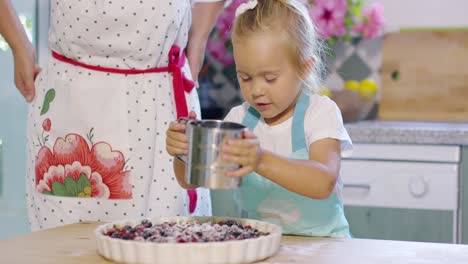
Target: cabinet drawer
x=400 y=184
x=402 y=224
x=406 y=152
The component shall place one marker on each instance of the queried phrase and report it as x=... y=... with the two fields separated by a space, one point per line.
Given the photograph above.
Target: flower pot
x=355 y=60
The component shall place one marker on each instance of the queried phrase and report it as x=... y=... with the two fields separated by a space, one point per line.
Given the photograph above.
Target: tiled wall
x=219 y=90
x=424 y=13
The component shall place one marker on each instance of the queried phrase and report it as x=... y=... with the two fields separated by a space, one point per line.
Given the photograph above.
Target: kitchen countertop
x=406 y=132
x=76 y=244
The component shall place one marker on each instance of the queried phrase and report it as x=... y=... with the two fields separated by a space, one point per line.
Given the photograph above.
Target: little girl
x=290 y=161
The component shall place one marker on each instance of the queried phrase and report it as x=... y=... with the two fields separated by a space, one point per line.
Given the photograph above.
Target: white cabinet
x=400 y=184
x=387 y=187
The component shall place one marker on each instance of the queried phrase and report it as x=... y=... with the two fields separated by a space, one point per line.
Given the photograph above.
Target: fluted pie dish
x=188 y=240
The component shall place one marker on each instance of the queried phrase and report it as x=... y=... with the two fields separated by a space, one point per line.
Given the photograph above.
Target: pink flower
x=46 y=124
x=72 y=169
x=226 y=19
x=218 y=51
x=372 y=21
x=216 y=46
x=224 y=25
x=329 y=17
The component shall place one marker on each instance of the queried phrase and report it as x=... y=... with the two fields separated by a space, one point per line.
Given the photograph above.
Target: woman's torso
x=119 y=33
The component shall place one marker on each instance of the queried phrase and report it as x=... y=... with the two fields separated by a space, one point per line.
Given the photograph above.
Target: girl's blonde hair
x=291 y=17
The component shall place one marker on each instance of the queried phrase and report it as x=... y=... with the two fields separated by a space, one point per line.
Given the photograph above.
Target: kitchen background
x=405 y=181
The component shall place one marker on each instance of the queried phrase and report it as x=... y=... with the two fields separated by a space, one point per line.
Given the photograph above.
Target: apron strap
x=180 y=83
x=298 y=132
x=298 y=141
x=251 y=118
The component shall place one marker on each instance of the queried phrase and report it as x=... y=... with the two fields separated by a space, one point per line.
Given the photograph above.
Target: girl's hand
x=246 y=152
x=26 y=71
x=176 y=140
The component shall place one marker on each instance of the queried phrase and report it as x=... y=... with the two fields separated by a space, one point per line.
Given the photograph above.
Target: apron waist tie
x=179 y=82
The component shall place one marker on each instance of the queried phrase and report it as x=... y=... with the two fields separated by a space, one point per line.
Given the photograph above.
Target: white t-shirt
x=322 y=120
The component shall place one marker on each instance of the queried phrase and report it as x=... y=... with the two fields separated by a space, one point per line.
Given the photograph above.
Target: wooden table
x=76 y=244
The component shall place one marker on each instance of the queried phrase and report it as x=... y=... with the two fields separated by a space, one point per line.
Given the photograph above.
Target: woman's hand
x=246 y=152
x=26 y=70
x=176 y=140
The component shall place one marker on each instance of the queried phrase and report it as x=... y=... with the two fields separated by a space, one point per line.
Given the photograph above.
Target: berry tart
x=188 y=240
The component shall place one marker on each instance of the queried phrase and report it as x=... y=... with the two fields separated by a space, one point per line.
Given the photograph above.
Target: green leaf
x=82 y=182
x=346 y=38
x=348 y=21
x=49 y=97
x=71 y=186
x=59 y=189
x=48 y=193
x=355 y=10
x=28 y=23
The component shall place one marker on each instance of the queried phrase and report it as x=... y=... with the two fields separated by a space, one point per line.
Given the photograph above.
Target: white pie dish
x=238 y=251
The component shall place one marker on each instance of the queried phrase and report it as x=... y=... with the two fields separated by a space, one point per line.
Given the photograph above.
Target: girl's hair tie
x=246 y=6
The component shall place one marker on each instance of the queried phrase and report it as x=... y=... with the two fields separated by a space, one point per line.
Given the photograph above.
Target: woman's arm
x=314 y=178
x=23 y=52
x=10 y=26
x=204 y=16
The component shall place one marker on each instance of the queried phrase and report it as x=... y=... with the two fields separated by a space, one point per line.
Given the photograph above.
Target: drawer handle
x=358 y=186
x=418 y=186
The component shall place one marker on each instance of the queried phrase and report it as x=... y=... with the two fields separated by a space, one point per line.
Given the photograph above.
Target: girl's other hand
x=176 y=140
x=246 y=152
x=26 y=71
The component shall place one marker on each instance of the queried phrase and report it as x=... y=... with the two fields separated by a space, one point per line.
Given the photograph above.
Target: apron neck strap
x=252 y=117
x=298 y=133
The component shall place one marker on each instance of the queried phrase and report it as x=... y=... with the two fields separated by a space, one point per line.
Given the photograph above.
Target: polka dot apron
x=96 y=139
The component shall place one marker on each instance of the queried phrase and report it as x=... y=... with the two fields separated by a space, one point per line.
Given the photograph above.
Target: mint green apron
x=262 y=199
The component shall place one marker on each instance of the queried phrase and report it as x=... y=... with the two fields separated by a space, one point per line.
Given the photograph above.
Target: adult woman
x=116 y=78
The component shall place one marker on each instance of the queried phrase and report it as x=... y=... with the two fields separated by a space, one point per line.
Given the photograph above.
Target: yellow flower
x=87 y=190
x=352 y=85
x=368 y=88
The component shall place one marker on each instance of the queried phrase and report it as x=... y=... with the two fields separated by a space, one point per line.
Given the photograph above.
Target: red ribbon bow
x=180 y=82
x=181 y=85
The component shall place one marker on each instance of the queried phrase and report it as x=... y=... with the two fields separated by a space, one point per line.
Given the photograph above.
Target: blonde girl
x=290 y=158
